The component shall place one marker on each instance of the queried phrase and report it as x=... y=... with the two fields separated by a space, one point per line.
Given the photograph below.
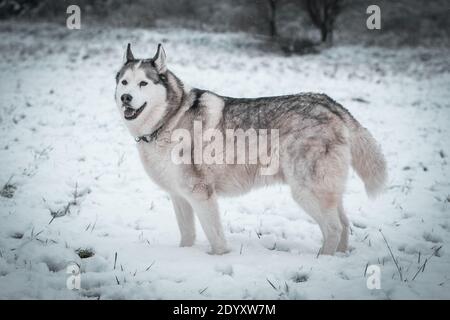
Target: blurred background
x=291 y=25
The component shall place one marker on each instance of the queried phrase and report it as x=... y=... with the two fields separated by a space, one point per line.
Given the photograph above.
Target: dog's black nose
x=126 y=98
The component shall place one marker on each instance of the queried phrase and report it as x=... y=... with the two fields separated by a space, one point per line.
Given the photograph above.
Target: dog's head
x=141 y=89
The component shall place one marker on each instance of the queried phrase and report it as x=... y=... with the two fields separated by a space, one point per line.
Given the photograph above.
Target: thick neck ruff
x=154 y=135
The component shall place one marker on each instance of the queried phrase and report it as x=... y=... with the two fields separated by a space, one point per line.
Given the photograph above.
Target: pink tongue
x=129 y=112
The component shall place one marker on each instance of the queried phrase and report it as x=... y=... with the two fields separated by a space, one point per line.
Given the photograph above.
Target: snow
x=64 y=149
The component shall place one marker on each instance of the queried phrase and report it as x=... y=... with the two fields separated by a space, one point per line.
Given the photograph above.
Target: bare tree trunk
x=323 y=14
x=323 y=33
x=273 y=18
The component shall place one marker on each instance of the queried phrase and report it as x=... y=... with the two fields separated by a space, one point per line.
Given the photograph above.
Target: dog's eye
x=162 y=77
x=124 y=82
x=142 y=84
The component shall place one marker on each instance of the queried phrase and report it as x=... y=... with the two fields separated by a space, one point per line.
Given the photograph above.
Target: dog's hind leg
x=343 y=243
x=185 y=219
x=320 y=208
x=317 y=173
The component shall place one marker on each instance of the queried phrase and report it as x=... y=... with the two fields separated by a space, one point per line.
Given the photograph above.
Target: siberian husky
x=318 y=141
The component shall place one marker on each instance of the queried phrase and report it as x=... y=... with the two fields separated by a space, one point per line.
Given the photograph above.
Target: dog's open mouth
x=131 y=113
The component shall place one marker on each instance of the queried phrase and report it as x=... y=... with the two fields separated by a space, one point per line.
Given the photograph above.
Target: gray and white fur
x=318 y=142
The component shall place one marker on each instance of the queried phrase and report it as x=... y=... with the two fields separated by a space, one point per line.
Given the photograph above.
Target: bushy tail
x=368 y=161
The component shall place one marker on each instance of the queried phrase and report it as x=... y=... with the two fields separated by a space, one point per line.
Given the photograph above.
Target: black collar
x=148 y=137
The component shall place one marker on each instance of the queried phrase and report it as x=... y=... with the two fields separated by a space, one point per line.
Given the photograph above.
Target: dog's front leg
x=207 y=211
x=185 y=219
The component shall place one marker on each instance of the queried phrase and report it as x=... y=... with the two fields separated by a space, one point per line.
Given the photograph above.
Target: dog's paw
x=219 y=251
x=187 y=242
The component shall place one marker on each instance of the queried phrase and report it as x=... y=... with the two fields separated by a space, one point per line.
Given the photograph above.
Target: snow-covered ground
x=64 y=151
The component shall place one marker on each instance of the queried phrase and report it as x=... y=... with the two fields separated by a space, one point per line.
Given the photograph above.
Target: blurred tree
x=323 y=14
x=11 y=8
x=273 y=18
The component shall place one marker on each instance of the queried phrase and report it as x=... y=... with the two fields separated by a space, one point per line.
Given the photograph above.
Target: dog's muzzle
x=130 y=113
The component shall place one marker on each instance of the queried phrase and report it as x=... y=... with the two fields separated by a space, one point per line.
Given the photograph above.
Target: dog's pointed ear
x=160 y=59
x=128 y=56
